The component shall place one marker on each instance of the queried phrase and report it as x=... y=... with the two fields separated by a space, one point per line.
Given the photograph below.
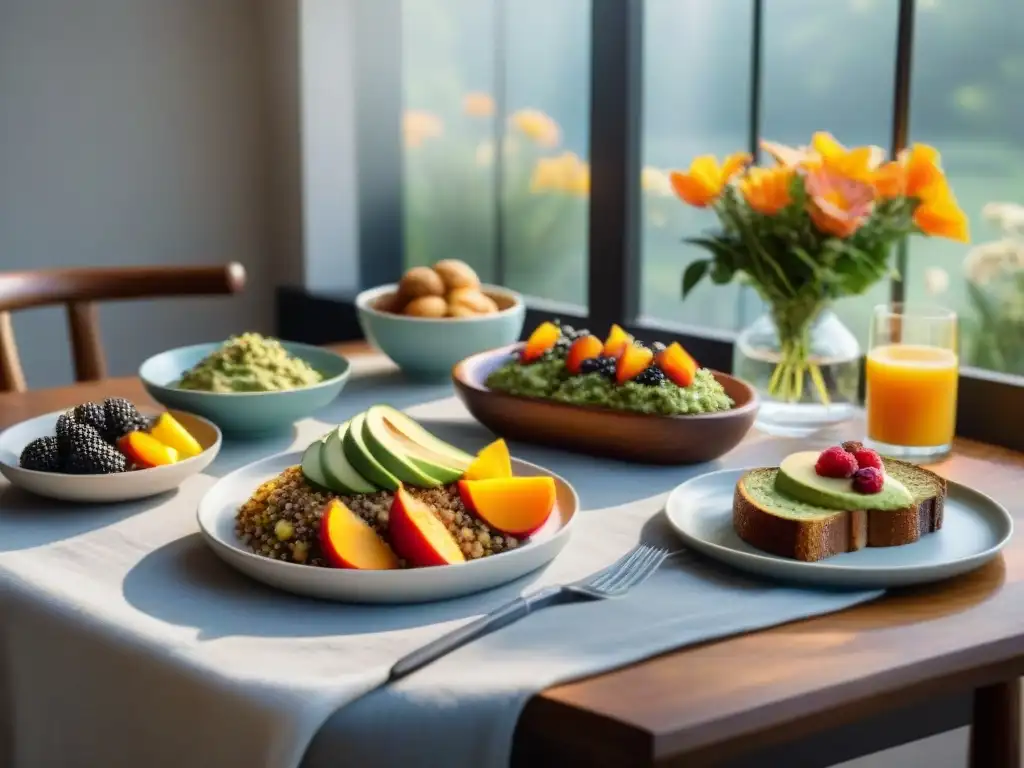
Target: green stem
x=793 y=320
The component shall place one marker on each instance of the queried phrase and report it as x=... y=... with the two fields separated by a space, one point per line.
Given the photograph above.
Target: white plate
x=122 y=486
x=414 y=585
x=974 y=529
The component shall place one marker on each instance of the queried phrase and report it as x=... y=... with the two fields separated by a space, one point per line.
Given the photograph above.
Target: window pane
x=448 y=125
x=967 y=101
x=696 y=92
x=452 y=130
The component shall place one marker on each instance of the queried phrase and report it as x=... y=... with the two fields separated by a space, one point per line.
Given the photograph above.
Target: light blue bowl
x=428 y=348
x=244 y=414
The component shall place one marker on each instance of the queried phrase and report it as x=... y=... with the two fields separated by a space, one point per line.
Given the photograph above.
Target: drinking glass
x=912 y=372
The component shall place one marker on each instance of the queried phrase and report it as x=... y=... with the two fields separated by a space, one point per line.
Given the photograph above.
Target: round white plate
x=413 y=585
x=123 y=486
x=974 y=529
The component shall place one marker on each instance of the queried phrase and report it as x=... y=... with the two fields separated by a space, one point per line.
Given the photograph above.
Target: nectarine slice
x=349 y=542
x=676 y=363
x=541 y=340
x=633 y=361
x=584 y=348
x=517 y=506
x=145 y=450
x=418 y=535
x=492 y=461
x=616 y=342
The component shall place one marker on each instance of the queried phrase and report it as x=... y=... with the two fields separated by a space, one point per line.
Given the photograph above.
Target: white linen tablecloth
x=125 y=642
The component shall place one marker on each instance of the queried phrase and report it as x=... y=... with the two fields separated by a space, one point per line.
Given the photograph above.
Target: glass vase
x=807 y=375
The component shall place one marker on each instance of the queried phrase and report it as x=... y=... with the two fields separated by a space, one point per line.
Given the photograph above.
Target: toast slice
x=782 y=526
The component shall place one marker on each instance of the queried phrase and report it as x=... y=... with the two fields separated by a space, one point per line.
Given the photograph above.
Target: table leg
x=995 y=726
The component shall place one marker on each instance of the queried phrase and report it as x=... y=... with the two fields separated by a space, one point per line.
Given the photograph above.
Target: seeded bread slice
x=782 y=526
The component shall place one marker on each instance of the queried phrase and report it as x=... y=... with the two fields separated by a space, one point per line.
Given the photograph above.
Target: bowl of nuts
x=436 y=316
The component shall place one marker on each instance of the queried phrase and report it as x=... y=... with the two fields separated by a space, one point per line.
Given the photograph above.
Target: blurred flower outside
x=450 y=187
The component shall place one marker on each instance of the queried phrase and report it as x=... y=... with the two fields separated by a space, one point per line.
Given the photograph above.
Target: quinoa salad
x=281 y=520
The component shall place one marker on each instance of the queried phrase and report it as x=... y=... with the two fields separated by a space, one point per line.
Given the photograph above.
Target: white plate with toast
x=974 y=529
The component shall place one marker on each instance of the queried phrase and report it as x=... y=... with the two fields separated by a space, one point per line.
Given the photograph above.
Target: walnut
x=427 y=306
x=456 y=274
x=419 y=282
x=473 y=300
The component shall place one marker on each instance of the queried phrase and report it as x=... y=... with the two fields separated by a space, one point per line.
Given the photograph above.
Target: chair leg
x=995 y=726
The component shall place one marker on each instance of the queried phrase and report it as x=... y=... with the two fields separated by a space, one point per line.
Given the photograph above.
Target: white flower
x=485 y=153
x=936 y=281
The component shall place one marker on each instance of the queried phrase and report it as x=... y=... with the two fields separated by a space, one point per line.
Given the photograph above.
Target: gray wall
x=134 y=132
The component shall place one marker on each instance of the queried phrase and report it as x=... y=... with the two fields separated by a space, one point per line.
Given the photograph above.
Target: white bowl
x=411 y=585
x=121 y=486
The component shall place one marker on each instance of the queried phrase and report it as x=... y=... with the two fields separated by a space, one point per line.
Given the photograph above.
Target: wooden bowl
x=637 y=437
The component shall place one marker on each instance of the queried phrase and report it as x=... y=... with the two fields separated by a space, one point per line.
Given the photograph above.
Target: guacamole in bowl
x=249 y=385
x=250 y=363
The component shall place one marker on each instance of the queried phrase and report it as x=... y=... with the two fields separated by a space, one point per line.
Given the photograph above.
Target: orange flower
x=537 y=126
x=766 y=190
x=939 y=215
x=922 y=168
x=418 y=126
x=478 y=104
x=790 y=157
x=838 y=205
x=858 y=163
x=704 y=181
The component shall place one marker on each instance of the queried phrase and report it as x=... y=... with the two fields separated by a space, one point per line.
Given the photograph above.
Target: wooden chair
x=78 y=289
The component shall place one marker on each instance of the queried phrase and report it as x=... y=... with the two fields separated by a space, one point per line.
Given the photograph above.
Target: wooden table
x=713 y=702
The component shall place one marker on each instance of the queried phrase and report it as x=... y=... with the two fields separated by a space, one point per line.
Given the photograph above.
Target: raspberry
x=867 y=458
x=852 y=446
x=835 y=462
x=868 y=480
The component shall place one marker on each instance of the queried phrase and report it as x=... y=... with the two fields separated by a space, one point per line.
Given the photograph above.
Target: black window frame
x=987 y=400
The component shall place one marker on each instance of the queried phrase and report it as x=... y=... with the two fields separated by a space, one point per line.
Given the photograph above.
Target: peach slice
x=492 y=461
x=584 y=348
x=633 y=361
x=616 y=342
x=418 y=535
x=541 y=340
x=145 y=450
x=676 y=363
x=517 y=506
x=349 y=542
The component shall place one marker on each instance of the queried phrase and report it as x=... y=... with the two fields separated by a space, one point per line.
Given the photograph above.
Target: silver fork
x=630 y=570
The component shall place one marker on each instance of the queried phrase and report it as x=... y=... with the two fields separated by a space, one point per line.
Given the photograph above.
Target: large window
x=503 y=100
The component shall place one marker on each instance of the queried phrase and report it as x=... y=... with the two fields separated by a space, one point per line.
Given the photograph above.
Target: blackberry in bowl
x=74 y=455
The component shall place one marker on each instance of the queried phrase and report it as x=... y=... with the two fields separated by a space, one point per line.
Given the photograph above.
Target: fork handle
x=490 y=622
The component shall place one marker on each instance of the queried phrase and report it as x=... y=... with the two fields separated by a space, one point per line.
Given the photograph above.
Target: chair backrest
x=78 y=289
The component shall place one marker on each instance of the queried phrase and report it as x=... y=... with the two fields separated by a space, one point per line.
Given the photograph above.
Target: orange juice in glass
x=912 y=372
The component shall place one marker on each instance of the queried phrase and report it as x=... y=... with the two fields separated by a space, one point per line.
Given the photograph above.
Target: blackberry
x=652 y=376
x=90 y=454
x=122 y=418
x=41 y=455
x=64 y=423
x=604 y=366
x=91 y=414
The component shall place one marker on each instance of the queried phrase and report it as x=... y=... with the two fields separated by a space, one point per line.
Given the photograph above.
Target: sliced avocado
x=798 y=480
x=389 y=452
x=402 y=435
x=338 y=471
x=311 y=467
x=362 y=460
